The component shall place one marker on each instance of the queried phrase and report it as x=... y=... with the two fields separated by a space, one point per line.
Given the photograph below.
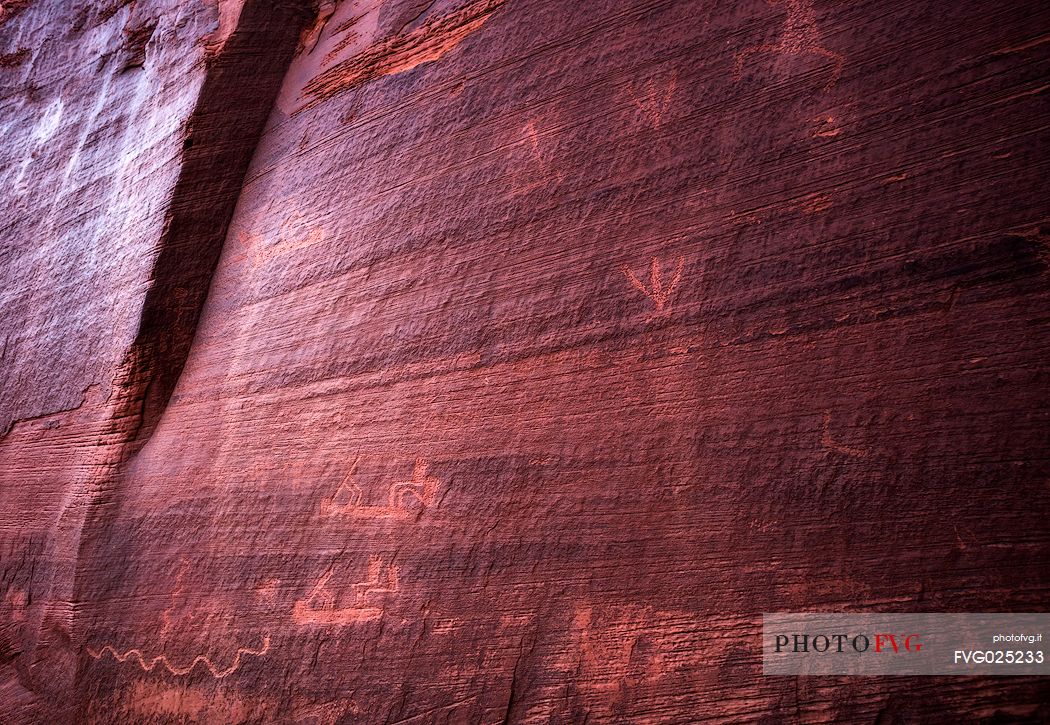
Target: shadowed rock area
x=478 y=361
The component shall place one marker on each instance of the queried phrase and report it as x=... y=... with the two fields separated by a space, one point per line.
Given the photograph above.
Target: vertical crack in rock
x=241 y=81
x=237 y=95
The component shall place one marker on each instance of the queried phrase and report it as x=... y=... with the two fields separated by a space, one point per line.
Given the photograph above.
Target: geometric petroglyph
x=658 y=291
x=603 y=658
x=347 y=499
x=167 y=617
x=421 y=487
x=653 y=98
x=175 y=669
x=828 y=442
x=319 y=606
x=800 y=36
x=826 y=126
x=295 y=233
x=536 y=170
x=17 y=600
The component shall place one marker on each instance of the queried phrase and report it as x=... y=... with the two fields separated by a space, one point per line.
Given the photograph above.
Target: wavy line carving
x=175 y=670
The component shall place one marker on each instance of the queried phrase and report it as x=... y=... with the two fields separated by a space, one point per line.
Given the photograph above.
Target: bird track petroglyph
x=657 y=291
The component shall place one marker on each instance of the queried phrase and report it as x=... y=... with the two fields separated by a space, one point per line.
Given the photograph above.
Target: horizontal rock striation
x=503 y=361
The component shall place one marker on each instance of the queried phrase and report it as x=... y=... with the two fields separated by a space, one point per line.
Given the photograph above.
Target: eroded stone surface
x=549 y=346
x=122 y=192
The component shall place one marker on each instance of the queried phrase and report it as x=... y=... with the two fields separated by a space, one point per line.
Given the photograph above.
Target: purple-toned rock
x=478 y=361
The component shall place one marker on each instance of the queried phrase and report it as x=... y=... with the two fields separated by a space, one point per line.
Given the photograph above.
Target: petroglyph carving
x=828 y=442
x=382 y=578
x=538 y=167
x=293 y=234
x=658 y=291
x=348 y=498
x=319 y=606
x=653 y=99
x=147 y=666
x=800 y=36
x=422 y=487
x=17 y=601
x=826 y=127
x=167 y=615
x=610 y=649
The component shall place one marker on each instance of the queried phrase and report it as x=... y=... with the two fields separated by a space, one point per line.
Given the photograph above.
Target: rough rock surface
x=547 y=346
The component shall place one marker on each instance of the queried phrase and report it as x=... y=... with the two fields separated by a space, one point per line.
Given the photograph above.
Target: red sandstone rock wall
x=547 y=346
